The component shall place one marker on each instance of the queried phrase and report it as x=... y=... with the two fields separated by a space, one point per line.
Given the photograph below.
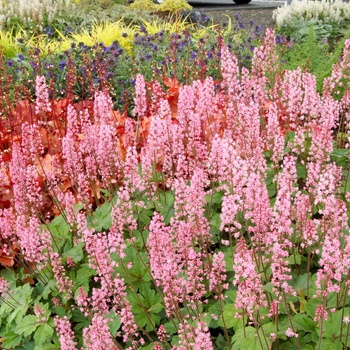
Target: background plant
x=310 y=55
x=330 y=19
x=165 y=6
x=178 y=50
x=25 y=13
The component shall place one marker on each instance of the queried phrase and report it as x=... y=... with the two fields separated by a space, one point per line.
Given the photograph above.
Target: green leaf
x=27 y=326
x=59 y=310
x=78 y=316
x=294 y=259
x=10 y=340
x=145 y=306
x=5 y=310
x=59 y=229
x=301 y=171
x=75 y=253
x=101 y=218
x=215 y=223
x=228 y=258
x=47 y=346
x=251 y=340
x=166 y=206
x=251 y=343
x=333 y=326
x=9 y=276
x=84 y=275
x=340 y=156
x=30 y=345
x=114 y=324
x=18 y=313
x=138 y=273
x=221 y=342
x=269 y=177
x=156 y=308
x=144 y=219
x=43 y=334
x=141 y=319
x=272 y=189
x=213 y=309
x=304 y=322
x=170 y=327
x=150 y=295
x=49 y=287
x=240 y=336
x=215 y=198
x=327 y=344
x=231 y=295
x=229 y=316
x=307 y=347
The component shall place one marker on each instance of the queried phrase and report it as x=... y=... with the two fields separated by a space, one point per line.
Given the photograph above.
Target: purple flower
x=109 y=75
x=9 y=63
x=279 y=39
x=35 y=65
x=49 y=32
x=258 y=28
x=69 y=31
x=62 y=65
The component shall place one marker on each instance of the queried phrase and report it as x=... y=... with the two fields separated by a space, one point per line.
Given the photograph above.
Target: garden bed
x=168 y=186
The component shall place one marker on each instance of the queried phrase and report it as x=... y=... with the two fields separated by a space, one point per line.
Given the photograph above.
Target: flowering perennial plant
x=31 y=11
x=215 y=218
x=323 y=11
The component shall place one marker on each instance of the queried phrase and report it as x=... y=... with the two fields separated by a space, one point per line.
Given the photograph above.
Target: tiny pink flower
x=290 y=333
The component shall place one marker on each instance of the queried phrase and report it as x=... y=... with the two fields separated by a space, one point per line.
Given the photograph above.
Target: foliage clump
x=329 y=18
x=23 y=12
x=174 y=5
x=311 y=55
x=166 y=6
x=147 y=5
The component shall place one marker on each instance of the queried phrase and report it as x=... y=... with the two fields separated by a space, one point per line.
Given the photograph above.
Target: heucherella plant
x=216 y=217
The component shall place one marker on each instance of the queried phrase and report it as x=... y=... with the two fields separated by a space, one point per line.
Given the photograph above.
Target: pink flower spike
x=42 y=104
x=65 y=333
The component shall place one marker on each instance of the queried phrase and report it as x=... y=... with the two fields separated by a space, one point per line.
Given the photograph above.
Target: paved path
x=257 y=10
x=225 y=4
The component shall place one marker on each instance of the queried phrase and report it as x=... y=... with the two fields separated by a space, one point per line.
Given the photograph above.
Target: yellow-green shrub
x=174 y=6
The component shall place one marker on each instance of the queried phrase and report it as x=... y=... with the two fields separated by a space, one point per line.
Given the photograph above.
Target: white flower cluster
x=323 y=11
x=31 y=10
